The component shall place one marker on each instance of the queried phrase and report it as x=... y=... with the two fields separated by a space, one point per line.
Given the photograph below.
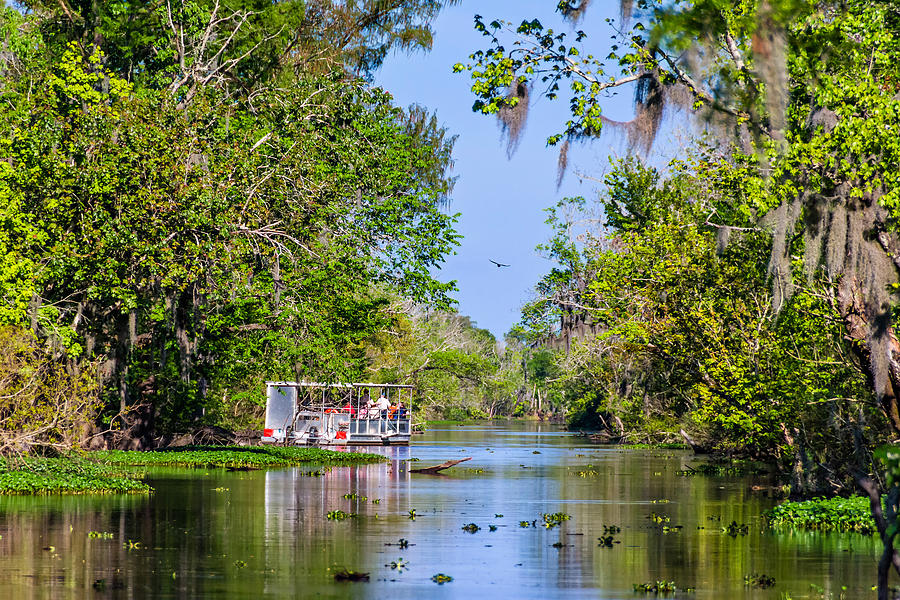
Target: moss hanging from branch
x=513 y=115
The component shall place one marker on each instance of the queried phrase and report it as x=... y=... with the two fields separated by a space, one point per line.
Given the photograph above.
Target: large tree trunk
x=869 y=329
x=182 y=321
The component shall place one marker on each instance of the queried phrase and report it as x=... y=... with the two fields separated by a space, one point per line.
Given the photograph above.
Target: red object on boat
x=268 y=432
x=340 y=435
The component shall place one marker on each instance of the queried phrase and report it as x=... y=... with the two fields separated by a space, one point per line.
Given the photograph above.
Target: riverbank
x=113 y=471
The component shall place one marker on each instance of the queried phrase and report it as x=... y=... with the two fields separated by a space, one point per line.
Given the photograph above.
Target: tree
x=808 y=88
x=683 y=335
x=160 y=234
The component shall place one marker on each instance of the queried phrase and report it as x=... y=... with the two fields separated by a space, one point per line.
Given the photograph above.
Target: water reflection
x=213 y=534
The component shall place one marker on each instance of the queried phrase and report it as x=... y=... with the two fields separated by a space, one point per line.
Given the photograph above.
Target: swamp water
x=264 y=534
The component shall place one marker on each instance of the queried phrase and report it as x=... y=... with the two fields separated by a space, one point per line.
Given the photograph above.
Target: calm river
x=216 y=534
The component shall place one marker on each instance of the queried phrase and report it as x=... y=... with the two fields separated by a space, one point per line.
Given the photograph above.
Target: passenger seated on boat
x=401 y=411
x=348 y=408
x=382 y=405
x=392 y=412
x=371 y=411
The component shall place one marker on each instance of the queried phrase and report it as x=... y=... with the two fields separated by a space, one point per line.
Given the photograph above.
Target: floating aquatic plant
x=66 y=475
x=412 y=514
x=554 y=520
x=100 y=535
x=734 y=529
x=672 y=529
x=732 y=469
x=350 y=575
x=656 y=518
x=492 y=527
x=660 y=587
x=441 y=578
x=498 y=516
x=398 y=565
x=339 y=515
x=820 y=514
x=524 y=524
x=759 y=580
x=232 y=456
x=240 y=564
x=471 y=528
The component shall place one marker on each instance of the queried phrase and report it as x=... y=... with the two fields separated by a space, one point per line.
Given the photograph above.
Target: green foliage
x=231 y=456
x=824 y=514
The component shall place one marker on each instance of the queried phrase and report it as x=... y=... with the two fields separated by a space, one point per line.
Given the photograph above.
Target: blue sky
x=501 y=200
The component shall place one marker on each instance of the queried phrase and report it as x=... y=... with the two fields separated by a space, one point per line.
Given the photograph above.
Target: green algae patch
x=233 y=457
x=66 y=475
x=824 y=514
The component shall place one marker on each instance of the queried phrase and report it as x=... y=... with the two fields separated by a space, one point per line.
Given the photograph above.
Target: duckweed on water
x=69 y=475
x=232 y=457
x=820 y=514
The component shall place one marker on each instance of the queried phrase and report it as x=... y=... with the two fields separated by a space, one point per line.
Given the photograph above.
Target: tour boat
x=307 y=413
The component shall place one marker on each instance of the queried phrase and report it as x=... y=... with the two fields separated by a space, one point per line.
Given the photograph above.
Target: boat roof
x=313 y=384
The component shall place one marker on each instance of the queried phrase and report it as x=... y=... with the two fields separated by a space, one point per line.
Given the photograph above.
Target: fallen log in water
x=437 y=468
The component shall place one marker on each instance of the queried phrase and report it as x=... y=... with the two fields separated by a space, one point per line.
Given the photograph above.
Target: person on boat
x=401 y=411
x=382 y=405
x=371 y=409
x=348 y=408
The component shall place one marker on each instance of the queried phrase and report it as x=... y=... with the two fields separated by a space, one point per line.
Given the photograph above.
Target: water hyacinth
x=233 y=457
x=820 y=514
x=65 y=476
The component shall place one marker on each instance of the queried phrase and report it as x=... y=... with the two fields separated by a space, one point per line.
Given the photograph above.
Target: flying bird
x=498 y=264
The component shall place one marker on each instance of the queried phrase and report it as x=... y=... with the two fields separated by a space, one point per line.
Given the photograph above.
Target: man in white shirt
x=382 y=405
